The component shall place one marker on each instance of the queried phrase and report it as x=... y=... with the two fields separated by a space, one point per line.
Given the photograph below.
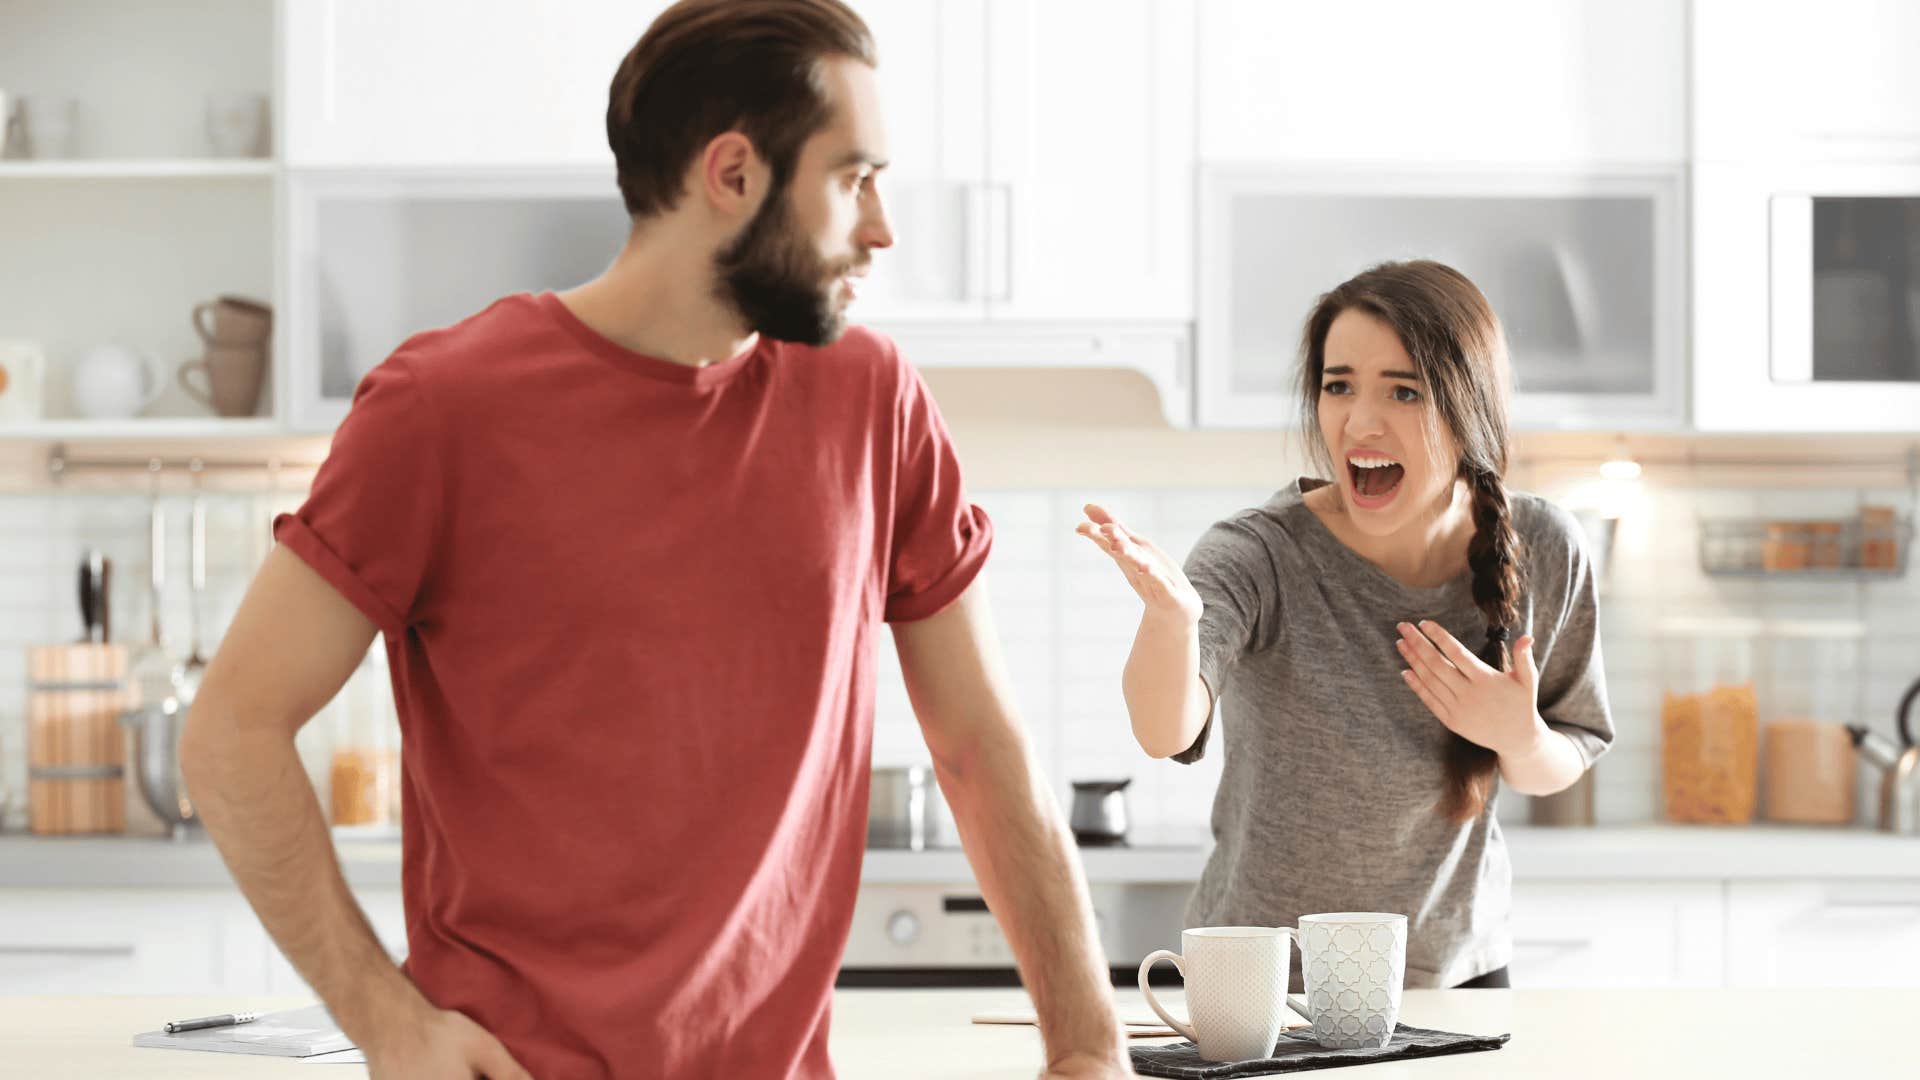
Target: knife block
x=76 y=748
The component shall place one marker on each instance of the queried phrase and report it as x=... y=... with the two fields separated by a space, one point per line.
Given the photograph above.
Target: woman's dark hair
x=710 y=66
x=1460 y=351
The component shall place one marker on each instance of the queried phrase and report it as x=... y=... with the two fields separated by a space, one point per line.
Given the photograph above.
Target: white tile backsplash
x=1066 y=619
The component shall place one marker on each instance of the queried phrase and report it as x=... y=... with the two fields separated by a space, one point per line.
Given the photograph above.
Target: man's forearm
x=1023 y=859
x=253 y=794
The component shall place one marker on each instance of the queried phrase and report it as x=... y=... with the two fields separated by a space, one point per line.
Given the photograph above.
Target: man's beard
x=771 y=275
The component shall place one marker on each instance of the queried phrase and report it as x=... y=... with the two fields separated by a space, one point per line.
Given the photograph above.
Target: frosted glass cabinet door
x=453 y=82
x=1584 y=272
x=376 y=259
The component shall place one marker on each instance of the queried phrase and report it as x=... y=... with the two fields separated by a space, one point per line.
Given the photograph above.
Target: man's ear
x=730 y=175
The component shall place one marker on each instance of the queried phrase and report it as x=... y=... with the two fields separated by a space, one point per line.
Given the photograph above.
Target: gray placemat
x=1297 y=1052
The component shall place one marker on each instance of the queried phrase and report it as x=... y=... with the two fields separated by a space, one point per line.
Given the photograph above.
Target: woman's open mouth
x=1374 y=479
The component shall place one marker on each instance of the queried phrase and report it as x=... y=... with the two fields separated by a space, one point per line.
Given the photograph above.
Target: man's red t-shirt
x=631 y=609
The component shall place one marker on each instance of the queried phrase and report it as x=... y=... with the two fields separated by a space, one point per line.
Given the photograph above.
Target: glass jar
x=1709 y=719
x=364 y=777
x=1812 y=687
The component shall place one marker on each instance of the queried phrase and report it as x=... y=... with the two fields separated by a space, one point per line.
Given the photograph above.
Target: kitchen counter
x=925 y=1034
x=1639 y=852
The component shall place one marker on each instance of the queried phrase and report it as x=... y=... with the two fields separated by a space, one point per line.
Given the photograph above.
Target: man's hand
x=437 y=1044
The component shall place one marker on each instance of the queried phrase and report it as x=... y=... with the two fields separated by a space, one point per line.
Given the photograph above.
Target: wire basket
x=1836 y=547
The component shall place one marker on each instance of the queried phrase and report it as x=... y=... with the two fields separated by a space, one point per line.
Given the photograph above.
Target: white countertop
x=1626 y=853
x=925 y=1034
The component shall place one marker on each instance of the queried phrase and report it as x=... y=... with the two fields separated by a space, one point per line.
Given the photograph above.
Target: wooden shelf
x=138 y=169
x=143 y=427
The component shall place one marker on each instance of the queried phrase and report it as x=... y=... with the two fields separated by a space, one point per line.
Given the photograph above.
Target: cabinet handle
x=1004 y=294
x=66 y=950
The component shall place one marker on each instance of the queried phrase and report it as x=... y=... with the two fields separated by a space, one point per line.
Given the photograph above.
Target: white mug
x=1353 y=965
x=1236 y=980
x=114 y=382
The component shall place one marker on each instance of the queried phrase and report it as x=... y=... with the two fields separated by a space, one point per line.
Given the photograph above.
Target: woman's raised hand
x=1157 y=579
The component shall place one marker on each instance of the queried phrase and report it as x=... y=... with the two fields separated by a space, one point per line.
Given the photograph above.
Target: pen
x=225 y=1020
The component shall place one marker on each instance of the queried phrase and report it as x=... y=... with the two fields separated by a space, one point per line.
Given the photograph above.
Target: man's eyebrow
x=859 y=157
x=1343 y=369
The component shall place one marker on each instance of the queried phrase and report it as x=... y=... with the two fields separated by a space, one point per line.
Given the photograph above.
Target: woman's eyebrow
x=1344 y=369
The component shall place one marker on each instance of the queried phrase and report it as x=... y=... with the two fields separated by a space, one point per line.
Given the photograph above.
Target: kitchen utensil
x=1897 y=807
x=901 y=807
x=238 y=125
x=1236 y=978
x=156 y=729
x=9 y=125
x=1572 y=806
x=115 y=382
x=195 y=666
x=96 y=578
x=23 y=374
x=233 y=374
x=76 y=755
x=1810 y=770
x=1099 y=814
x=1353 y=965
x=233 y=321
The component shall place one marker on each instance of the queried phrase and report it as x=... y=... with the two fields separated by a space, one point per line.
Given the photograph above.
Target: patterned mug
x=1353 y=965
x=1236 y=980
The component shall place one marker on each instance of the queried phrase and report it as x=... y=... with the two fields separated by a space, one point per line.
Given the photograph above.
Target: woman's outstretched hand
x=1495 y=709
x=1157 y=579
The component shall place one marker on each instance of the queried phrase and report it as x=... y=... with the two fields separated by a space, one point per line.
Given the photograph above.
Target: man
x=630 y=546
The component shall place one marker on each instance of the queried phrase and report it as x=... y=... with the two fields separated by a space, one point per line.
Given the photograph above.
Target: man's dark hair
x=710 y=66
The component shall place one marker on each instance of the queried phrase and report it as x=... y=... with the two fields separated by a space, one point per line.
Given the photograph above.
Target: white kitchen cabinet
x=1041 y=159
x=1616 y=933
x=1483 y=81
x=1805 y=934
x=452 y=82
x=128 y=941
x=1090 y=153
x=1800 y=80
x=1586 y=272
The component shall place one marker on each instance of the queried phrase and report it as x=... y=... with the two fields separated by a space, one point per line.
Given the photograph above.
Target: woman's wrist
x=1527 y=744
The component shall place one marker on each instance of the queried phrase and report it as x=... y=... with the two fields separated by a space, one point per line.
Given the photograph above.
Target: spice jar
x=1789 y=546
x=1825 y=548
x=1879 y=548
x=1709 y=720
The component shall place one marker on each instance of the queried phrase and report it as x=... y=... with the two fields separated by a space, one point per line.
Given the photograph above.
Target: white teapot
x=112 y=382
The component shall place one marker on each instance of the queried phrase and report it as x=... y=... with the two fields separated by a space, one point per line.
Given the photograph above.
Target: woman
x=1366 y=737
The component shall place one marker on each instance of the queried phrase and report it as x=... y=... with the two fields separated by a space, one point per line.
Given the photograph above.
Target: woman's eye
x=1411 y=395
x=1337 y=386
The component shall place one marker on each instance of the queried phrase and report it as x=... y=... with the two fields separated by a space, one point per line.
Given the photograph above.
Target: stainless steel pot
x=904 y=808
x=156 y=729
x=1100 y=811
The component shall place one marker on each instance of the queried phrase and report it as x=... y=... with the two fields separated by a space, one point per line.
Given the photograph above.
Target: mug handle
x=1146 y=990
x=199 y=320
x=1298 y=1005
x=203 y=397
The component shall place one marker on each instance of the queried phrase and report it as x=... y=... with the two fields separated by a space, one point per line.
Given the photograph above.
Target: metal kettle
x=1899 y=767
x=1100 y=811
